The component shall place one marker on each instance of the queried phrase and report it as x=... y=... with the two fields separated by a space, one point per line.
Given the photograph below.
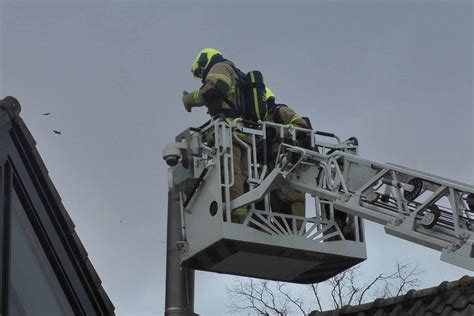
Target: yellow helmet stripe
x=209 y=52
x=268 y=93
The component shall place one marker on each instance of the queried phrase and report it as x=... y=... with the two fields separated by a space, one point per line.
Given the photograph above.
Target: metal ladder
x=419 y=207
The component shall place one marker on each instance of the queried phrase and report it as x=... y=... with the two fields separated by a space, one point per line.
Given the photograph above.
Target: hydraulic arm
x=419 y=207
x=426 y=209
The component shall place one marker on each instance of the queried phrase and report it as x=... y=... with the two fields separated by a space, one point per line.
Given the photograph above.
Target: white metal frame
x=333 y=174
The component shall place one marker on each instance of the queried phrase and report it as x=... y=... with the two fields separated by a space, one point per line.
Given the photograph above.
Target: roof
x=12 y=124
x=448 y=298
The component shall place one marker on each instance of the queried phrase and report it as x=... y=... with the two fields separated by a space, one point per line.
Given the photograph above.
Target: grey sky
x=396 y=74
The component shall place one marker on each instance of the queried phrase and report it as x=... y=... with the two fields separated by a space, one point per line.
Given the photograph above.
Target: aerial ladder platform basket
x=425 y=209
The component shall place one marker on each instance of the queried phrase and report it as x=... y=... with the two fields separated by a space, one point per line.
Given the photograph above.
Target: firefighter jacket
x=282 y=114
x=218 y=92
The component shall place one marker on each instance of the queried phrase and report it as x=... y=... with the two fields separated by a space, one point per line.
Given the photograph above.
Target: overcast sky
x=396 y=74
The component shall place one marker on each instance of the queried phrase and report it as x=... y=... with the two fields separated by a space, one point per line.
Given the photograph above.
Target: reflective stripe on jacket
x=219 y=84
x=285 y=115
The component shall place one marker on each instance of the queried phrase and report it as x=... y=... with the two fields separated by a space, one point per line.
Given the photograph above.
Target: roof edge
x=11 y=105
x=463 y=282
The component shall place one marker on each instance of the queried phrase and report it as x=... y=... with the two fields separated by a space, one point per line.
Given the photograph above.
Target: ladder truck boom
x=419 y=207
x=422 y=208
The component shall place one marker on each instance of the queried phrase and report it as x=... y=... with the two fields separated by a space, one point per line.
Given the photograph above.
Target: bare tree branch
x=246 y=293
x=314 y=287
x=346 y=288
x=297 y=301
x=368 y=287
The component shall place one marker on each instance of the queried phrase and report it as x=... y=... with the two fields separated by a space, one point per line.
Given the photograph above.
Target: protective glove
x=187 y=99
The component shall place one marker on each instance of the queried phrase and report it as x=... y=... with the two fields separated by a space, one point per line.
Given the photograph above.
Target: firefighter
x=219 y=94
x=281 y=113
x=284 y=200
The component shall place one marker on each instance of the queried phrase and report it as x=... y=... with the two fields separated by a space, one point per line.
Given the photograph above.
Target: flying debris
x=57 y=132
x=46 y=114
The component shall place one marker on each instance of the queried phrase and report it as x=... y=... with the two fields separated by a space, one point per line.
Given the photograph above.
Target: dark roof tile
x=465 y=281
x=460 y=304
x=448 y=298
x=396 y=311
x=415 y=308
x=453 y=297
x=380 y=312
x=434 y=303
x=471 y=298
